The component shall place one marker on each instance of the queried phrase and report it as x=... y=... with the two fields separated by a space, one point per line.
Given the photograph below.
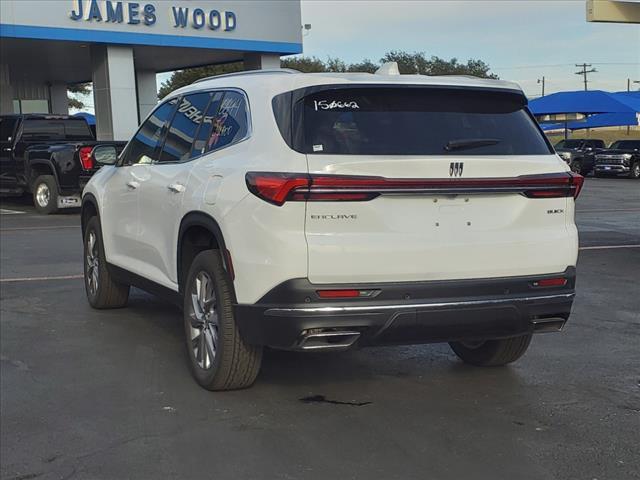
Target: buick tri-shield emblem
x=455 y=169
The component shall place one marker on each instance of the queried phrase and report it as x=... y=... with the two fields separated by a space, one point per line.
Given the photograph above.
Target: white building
x=46 y=45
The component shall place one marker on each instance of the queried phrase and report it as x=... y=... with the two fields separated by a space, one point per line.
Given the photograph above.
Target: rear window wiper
x=465 y=143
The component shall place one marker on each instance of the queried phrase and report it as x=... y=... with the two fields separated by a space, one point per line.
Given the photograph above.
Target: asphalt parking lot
x=107 y=394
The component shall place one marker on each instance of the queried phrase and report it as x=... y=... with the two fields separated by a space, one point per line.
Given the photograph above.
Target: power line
x=557 y=65
x=584 y=72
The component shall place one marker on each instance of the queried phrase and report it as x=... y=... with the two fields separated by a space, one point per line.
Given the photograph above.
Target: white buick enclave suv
x=323 y=211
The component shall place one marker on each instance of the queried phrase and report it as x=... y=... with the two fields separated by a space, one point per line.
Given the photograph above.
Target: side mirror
x=105 y=155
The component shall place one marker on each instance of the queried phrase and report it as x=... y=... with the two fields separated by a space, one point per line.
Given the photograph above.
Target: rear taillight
x=553 y=186
x=578 y=181
x=278 y=188
x=347 y=293
x=338 y=293
x=86 y=160
x=550 y=282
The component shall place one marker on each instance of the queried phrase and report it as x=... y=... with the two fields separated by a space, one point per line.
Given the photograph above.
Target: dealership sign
x=134 y=13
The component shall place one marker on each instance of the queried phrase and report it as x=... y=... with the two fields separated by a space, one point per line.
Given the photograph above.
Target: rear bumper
x=417 y=312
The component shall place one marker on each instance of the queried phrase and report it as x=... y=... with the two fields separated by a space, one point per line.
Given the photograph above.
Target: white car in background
x=322 y=211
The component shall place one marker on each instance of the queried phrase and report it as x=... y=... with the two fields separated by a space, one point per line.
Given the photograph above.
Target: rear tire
x=101 y=289
x=45 y=194
x=576 y=166
x=635 y=171
x=492 y=353
x=218 y=356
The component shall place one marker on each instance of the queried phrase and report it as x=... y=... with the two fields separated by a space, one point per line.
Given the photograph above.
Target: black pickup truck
x=621 y=158
x=579 y=153
x=48 y=156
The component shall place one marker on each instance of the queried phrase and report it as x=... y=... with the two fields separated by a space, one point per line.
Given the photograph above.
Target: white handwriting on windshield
x=330 y=105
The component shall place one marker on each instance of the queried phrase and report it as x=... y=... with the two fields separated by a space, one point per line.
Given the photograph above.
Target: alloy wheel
x=204 y=321
x=93 y=262
x=43 y=195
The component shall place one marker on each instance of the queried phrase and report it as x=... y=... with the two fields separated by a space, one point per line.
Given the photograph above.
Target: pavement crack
x=26 y=476
x=323 y=399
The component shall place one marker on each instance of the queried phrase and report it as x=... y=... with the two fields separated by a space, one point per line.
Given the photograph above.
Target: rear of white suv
x=356 y=210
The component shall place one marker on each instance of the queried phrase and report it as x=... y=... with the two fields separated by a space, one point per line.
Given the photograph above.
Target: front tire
x=576 y=166
x=101 y=289
x=635 y=171
x=45 y=194
x=492 y=353
x=218 y=356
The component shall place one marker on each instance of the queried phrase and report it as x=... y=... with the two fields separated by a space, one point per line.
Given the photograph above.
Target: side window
x=204 y=132
x=230 y=124
x=143 y=145
x=188 y=117
x=7 y=125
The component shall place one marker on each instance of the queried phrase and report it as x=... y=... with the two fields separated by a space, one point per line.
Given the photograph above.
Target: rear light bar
x=278 y=188
x=86 y=159
x=347 y=293
x=550 y=282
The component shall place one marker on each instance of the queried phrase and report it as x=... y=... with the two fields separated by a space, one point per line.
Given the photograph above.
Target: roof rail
x=249 y=72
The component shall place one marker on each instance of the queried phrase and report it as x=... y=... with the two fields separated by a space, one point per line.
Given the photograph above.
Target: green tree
x=417 y=62
x=77 y=89
x=365 y=65
x=304 y=64
x=408 y=63
x=182 y=78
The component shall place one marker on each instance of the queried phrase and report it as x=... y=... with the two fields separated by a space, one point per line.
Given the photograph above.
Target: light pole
x=542 y=82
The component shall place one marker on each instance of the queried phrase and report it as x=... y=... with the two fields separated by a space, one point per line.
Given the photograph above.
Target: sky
x=521 y=40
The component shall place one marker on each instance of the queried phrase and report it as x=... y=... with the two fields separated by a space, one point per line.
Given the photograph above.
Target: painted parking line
x=606 y=210
x=6 y=211
x=40 y=279
x=47 y=227
x=608 y=247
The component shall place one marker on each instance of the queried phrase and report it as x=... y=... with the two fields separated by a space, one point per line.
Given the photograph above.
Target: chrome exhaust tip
x=317 y=339
x=546 y=325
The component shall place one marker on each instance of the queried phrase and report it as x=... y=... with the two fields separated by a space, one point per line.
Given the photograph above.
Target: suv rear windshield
x=56 y=129
x=414 y=121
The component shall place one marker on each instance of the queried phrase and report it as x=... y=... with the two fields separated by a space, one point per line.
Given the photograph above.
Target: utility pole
x=584 y=72
x=542 y=82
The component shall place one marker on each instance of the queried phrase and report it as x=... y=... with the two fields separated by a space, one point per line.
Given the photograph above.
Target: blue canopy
x=603 y=109
x=586 y=102
x=90 y=118
x=598 y=120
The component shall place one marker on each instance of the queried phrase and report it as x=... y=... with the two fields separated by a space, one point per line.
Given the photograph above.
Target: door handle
x=132 y=184
x=176 y=187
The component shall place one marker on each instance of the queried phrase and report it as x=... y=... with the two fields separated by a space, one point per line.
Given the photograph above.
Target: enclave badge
x=455 y=169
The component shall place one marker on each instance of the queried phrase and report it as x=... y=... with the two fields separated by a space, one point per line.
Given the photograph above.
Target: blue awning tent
x=603 y=109
x=90 y=118
x=598 y=120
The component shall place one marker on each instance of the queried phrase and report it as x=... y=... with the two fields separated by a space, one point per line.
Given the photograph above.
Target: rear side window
x=183 y=128
x=7 y=127
x=230 y=124
x=414 y=121
x=56 y=129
